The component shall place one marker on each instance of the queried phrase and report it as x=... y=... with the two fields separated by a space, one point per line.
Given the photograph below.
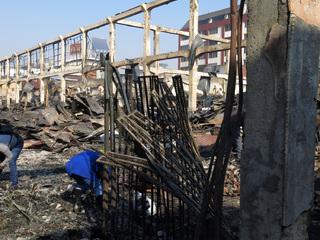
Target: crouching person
x=84 y=169
x=11 y=145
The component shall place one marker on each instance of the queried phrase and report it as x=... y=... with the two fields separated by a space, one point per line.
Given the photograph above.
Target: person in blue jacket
x=84 y=169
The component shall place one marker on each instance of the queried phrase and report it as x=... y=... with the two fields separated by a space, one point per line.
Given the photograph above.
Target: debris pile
x=60 y=125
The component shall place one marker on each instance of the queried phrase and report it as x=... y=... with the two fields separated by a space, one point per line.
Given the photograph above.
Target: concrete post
x=1 y=94
x=42 y=82
x=42 y=90
x=112 y=40
x=156 y=39
x=146 y=38
x=29 y=63
x=1 y=84
x=63 y=89
x=84 y=52
x=41 y=58
x=279 y=144
x=193 y=73
x=63 y=53
x=17 y=89
x=7 y=84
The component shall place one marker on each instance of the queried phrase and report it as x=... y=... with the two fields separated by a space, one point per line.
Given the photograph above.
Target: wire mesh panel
x=157 y=181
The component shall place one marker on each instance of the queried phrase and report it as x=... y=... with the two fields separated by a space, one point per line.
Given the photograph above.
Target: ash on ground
x=41 y=208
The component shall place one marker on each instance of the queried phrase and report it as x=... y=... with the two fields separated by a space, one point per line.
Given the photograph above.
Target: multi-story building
x=216 y=24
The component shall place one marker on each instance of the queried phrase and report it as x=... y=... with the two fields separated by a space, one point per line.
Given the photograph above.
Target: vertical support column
x=1 y=95
x=42 y=90
x=112 y=40
x=8 y=84
x=17 y=89
x=63 y=89
x=277 y=163
x=146 y=38
x=63 y=60
x=42 y=83
x=29 y=94
x=63 y=53
x=112 y=47
x=156 y=40
x=1 y=86
x=46 y=87
x=84 y=59
x=193 y=73
x=41 y=58
x=29 y=63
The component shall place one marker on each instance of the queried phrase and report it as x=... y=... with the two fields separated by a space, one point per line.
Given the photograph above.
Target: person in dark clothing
x=234 y=125
x=11 y=145
x=84 y=169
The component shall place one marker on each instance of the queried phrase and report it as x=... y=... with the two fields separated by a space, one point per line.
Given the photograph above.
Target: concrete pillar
x=8 y=85
x=1 y=95
x=41 y=58
x=278 y=156
x=63 y=53
x=84 y=52
x=17 y=89
x=42 y=90
x=42 y=81
x=156 y=40
x=1 y=84
x=146 y=38
x=63 y=89
x=28 y=63
x=193 y=73
x=112 y=40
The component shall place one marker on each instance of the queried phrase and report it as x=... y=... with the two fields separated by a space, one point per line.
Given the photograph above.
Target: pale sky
x=26 y=23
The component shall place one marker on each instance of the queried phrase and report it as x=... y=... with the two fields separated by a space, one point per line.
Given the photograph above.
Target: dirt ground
x=37 y=210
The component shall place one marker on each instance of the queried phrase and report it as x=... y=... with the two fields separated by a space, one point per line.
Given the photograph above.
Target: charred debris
x=156 y=184
x=151 y=149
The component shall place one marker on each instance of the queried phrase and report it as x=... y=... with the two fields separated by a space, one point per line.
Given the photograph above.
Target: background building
x=216 y=24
